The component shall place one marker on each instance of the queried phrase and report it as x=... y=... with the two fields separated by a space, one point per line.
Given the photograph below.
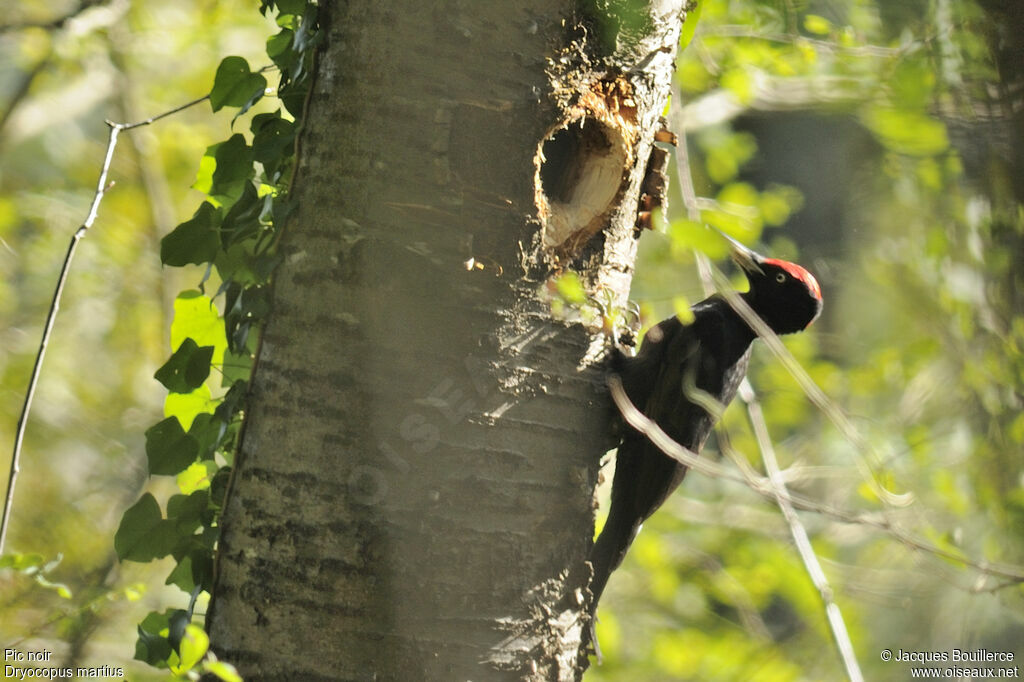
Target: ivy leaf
x=194 y=644
x=169 y=449
x=176 y=624
x=186 y=511
x=196 y=317
x=234 y=168
x=291 y=6
x=202 y=569
x=181 y=576
x=224 y=170
x=194 y=241
x=243 y=220
x=187 y=406
x=144 y=534
x=273 y=140
x=207 y=431
x=197 y=476
x=238 y=366
x=187 y=368
x=235 y=84
x=151 y=647
x=243 y=306
x=690 y=25
x=306 y=37
x=279 y=49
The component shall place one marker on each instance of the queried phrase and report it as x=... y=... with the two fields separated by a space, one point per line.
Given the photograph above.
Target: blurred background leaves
x=65 y=67
x=887 y=138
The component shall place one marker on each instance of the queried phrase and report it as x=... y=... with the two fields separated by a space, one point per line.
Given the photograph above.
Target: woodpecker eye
x=780 y=278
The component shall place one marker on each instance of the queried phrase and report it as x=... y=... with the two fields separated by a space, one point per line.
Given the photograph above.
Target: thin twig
x=867 y=457
x=101 y=189
x=738 y=31
x=762 y=486
x=715 y=280
x=779 y=491
x=799 y=533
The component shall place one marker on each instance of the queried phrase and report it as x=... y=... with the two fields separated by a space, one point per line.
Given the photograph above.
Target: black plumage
x=678 y=369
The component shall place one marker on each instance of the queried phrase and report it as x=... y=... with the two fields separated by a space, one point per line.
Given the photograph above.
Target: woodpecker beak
x=749 y=260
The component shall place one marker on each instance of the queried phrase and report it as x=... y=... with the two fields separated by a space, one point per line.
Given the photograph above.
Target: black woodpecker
x=677 y=363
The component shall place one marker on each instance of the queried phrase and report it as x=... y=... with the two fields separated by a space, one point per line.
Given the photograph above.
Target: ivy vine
x=233 y=234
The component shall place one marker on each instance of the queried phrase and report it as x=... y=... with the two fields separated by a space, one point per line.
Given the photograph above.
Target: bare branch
x=739 y=31
x=762 y=486
x=101 y=189
x=799 y=533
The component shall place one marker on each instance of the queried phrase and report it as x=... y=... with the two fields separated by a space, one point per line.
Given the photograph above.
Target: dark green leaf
x=233 y=169
x=152 y=648
x=182 y=575
x=273 y=139
x=194 y=568
x=219 y=485
x=187 y=368
x=279 y=49
x=207 y=430
x=144 y=534
x=186 y=511
x=176 y=627
x=237 y=366
x=169 y=450
x=256 y=97
x=307 y=36
x=283 y=208
x=235 y=84
x=291 y=6
x=243 y=220
x=194 y=241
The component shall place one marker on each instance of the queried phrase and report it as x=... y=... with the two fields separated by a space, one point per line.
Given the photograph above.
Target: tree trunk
x=413 y=496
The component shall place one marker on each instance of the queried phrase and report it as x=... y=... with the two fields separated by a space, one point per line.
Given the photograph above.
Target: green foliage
x=920 y=345
x=233 y=234
x=187 y=369
x=236 y=86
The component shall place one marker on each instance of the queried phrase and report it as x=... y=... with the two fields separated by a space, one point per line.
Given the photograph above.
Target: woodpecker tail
x=609 y=550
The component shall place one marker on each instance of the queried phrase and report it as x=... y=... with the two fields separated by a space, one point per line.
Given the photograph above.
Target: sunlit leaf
x=906 y=131
x=195 y=477
x=817 y=24
x=740 y=83
x=187 y=406
x=194 y=644
x=196 y=317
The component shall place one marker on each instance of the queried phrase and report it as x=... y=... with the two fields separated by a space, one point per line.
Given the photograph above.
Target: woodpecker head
x=783 y=294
